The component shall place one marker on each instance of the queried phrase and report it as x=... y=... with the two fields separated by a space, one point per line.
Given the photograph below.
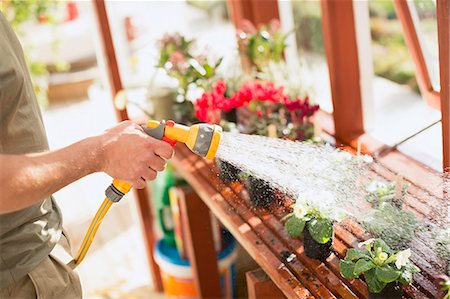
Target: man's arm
x=125 y=152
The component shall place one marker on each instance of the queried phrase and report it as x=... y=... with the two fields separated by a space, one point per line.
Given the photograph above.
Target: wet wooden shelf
x=261 y=233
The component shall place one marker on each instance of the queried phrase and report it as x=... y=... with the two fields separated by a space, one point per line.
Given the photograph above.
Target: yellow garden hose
x=90 y=234
x=114 y=193
x=202 y=139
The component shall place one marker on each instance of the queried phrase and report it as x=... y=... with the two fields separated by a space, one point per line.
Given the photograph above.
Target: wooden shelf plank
x=261 y=232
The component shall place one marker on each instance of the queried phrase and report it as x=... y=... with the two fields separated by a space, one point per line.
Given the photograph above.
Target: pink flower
x=274 y=25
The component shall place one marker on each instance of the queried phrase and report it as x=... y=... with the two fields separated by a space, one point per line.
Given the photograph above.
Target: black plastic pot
x=227 y=172
x=260 y=192
x=230 y=116
x=392 y=290
x=316 y=250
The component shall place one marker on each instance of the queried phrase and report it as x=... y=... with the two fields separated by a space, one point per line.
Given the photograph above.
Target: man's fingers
x=157 y=163
x=149 y=174
x=139 y=184
x=164 y=150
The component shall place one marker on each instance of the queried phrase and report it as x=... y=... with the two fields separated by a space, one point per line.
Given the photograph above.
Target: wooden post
x=260 y=286
x=443 y=20
x=200 y=245
x=340 y=43
x=256 y=11
x=115 y=84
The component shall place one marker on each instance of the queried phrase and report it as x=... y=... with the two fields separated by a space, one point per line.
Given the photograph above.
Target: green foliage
x=262 y=45
x=295 y=226
x=395 y=226
x=379 y=192
x=446 y=287
x=373 y=283
x=321 y=229
x=18 y=12
x=442 y=238
x=307 y=15
x=392 y=59
x=191 y=71
x=379 y=264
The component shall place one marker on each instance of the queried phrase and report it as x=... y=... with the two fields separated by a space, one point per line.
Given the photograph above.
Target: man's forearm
x=29 y=179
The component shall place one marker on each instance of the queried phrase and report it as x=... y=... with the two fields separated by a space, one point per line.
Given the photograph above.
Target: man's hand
x=125 y=152
x=129 y=154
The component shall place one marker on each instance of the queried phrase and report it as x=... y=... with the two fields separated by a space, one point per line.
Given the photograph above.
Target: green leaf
x=356 y=254
x=295 y=226
x=387 y=273
x=347 y=269
x=405 y=277
x=321 y=230
x=362 y=266
x=374 y=285
x=380 y=243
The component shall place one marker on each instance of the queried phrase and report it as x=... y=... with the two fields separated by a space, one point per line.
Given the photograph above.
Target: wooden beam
x=115 y=84
x=260 y=286
x=340 y=43
x=443 y=20
x=200 y=245
x=413 y=43
x=256 y=11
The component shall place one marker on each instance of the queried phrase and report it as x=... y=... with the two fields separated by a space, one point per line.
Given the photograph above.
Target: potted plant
x=313 y=216
x=227 y=172
x=445 y=286
x=395 y=226
x=261 y=193
x=392 y=192
x=384 y=270
x=192 y=72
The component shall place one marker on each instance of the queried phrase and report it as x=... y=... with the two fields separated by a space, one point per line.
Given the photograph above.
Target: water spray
x=202 y=139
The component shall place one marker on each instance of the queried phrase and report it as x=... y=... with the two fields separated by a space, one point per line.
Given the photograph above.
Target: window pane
x=423 y=13
x=399 y=109
x=304 y=16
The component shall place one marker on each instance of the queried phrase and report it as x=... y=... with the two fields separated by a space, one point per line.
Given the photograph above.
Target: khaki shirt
x=26 y=236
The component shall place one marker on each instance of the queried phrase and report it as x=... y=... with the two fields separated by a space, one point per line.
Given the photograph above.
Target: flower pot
x=227 y=172
x=392 y=290
x=260 y=192
x=163 y=99
x=230 y=116
x=316 y=250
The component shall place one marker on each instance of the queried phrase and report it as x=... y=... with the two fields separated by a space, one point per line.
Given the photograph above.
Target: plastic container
x=160 y=195
x=177 y=276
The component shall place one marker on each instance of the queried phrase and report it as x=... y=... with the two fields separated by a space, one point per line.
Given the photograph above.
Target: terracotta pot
x=392 y=290
x=260 y=192
x=316 y=250
x=227 y=172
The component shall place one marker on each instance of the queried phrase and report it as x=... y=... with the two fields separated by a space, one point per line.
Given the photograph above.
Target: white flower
x=324 y=202
x=402 y=258
x=382 y=256
x=367 y=244
x=194 y=93
x=299 y=209
x=374 y=186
